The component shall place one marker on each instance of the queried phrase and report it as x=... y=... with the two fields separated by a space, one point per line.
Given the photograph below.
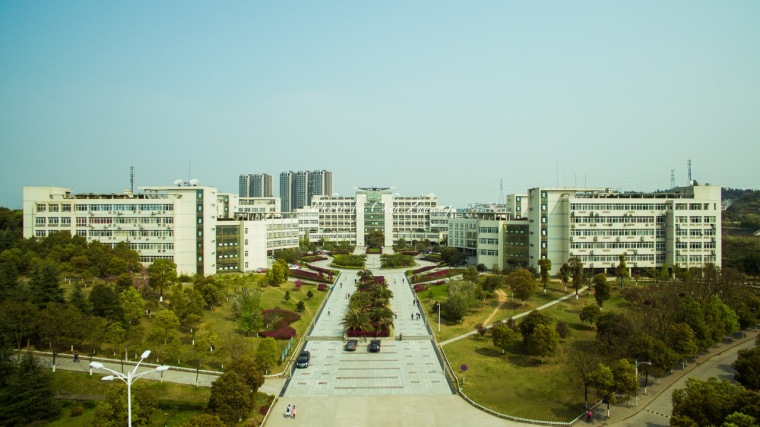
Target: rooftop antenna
x=501 y=191
x=672 y=178
x=132 y=179
x=690 y=172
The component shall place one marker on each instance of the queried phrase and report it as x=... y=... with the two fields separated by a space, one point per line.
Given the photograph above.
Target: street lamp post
x=128 y=379
x=646 y=380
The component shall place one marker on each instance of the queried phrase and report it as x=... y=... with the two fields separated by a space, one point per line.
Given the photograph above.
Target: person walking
x=293 y=412
x=589 y=414
x=287 y=411
x=76 y=356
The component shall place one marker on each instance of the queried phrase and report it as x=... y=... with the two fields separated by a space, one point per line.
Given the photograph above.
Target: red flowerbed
x=423 y=269
x=318 y=269
x=280 y=321
x=322 y=287
x=309 y=275
x=411 y=253
x=429 y=276
x=424 y=286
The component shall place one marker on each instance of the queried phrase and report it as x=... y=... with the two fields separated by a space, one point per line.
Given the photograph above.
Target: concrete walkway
x=517 y=316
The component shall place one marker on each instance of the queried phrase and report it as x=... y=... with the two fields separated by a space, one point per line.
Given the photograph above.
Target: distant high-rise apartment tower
x=298 y=188
x=320 y=184
x=255 y=185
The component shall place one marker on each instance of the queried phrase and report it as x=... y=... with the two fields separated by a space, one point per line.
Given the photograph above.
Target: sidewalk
x=517 y=316
x=620 y=413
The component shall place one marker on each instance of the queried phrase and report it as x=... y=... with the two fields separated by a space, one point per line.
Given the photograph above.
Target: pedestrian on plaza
x=328 y=312
x=293 y=411
x=76 y=356
x=287 y=412
x=412 y=316
x=589 y=414
x=341 y=285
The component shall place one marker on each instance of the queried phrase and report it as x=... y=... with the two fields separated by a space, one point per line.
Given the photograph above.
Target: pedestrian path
x=517 y=316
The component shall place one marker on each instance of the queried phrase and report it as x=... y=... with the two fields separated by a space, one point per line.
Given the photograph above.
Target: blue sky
x=450 y=98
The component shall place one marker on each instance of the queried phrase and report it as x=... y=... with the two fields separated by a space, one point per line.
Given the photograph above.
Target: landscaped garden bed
x=279 y=321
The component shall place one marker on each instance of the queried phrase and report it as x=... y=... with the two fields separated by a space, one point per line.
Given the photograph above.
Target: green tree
x=278 y=273
x=230 y=398
x=451 y=256
x=602 y=381
x=546 y=266
x=251 y=318
x=613 y=332
x=681 y=339
x=78 y=300
x=624 y=374
x=531 y=321
x=60 y=326
x=205 y=420
x=522 y=283
x=356 y=319
x=503 y=336
x=162 y=273
x=267 y=354
x=471 y=274
x=104 y=302
x=582 y=365
x=747 y=366
x=602 y=289
x=167 y=324
x=576 y=271
x=131 y=305
x=375 y=239
x=590 y=313
x=492 y=282
x=249 y=371
x=44 y=286
x=621 y=271
x=564 y=274
x=28 y=394
x=543 y=342
x=705 y=403
x=112 y=412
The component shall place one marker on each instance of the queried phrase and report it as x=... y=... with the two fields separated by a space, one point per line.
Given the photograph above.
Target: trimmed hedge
x=429 y=276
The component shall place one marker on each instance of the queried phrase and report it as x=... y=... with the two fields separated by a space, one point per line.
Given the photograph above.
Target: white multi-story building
x=349 y=219
x=198 y=229
x=680 y=227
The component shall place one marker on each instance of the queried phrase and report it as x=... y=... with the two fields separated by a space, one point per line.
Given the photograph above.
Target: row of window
x=120 y=207
x=612 y=232
x=612 y=245
x=53 y=207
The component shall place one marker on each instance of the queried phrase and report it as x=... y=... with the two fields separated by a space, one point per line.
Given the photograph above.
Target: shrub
x=280 y=320
x=77 y=411
x=419 y=287
x=322 y=287
x=309 y=275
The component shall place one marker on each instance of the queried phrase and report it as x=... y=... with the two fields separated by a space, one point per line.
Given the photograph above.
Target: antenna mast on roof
x=501 y=191
x=672 y=178
x=132 y=179
x=689 y=171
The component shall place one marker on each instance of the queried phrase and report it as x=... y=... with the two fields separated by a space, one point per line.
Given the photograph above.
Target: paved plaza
x=404 y=366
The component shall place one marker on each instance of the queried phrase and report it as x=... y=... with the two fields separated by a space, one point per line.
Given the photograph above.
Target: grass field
x=518 y=384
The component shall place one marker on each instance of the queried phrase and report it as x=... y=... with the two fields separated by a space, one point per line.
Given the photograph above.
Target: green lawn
x=518 y=384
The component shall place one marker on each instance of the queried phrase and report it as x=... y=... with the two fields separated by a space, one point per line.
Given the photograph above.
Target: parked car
x=374 y=346
x=351 y=345
x=303 y=359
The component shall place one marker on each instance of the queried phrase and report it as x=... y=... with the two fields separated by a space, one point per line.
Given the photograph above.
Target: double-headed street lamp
x=128 y=379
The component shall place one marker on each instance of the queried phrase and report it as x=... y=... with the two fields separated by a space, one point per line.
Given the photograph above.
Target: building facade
x=680 y=227
x=255 y=185
x=297 y=189
x=201 y=231
x=350 y=219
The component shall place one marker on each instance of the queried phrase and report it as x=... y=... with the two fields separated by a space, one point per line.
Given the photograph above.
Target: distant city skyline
x=464 y=100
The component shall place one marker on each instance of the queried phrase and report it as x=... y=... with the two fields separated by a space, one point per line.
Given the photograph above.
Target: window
x=41 y=207
x=39 y=220
x=66 y=208
x=53 y=207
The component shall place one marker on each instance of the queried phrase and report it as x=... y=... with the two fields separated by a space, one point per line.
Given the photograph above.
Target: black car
x=351 y=345
x=303 y=359
x=374 y=346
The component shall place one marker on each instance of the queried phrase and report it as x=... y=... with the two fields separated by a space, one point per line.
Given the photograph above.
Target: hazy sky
x=436 y=97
